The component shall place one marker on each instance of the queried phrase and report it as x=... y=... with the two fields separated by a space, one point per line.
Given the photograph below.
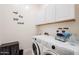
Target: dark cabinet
x=10 y=48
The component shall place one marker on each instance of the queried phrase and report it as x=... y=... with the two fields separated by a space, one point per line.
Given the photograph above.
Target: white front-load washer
x=36 y=46
x=49 y=46
x=47 y=51
x=40 y=46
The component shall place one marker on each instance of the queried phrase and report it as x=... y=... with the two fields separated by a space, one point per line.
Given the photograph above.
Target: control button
x=59 y=28
x=63 y=31
x=35 y=38
x=57 y=31
x=65 y=28
x=53 y=47
x=46 y=33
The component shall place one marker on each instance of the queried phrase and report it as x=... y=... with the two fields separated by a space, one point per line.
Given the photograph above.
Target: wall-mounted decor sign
x=19 y=17
x=15 y=19
x=20 y=22
x=15 y=12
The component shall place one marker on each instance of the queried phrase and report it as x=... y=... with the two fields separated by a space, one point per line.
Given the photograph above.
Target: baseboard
x=27 y=51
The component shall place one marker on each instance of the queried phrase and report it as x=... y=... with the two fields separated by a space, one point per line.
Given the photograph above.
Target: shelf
x=54 y=22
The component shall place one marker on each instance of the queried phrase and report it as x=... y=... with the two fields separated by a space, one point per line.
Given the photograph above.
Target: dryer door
x=35 y=48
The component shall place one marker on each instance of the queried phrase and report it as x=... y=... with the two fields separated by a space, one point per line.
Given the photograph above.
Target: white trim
x=54 y=21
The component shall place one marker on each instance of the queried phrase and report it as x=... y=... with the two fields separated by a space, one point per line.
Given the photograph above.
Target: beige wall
x=11 y=31
x=73 y=25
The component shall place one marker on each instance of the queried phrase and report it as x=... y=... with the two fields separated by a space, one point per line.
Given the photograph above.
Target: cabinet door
x=41 y=16
x=46 y=14
x=65 y=11
x=14 y=49
x=50 y=12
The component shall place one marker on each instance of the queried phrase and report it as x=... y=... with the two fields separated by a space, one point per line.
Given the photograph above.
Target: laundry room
x=39 y=29
x=65 y=21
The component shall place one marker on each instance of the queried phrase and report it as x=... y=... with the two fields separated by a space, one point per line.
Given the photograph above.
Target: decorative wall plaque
x=15 y=19
x=15 y=12
x=19 y=17
x=20 y=22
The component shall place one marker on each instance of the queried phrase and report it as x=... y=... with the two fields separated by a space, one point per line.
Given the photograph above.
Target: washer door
x=36 y=49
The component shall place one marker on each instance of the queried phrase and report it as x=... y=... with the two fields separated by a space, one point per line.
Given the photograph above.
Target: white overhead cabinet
x=46 y=14
x=41 y=16
x=50 y=12
x=65 y=11
x=56 y=12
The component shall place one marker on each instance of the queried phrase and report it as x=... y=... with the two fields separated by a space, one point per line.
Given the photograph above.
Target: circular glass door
x=36 y=49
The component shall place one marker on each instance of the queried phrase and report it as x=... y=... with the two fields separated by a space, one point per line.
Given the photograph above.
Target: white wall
x=46 y=13
x=1 y=24
x=11 y=31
